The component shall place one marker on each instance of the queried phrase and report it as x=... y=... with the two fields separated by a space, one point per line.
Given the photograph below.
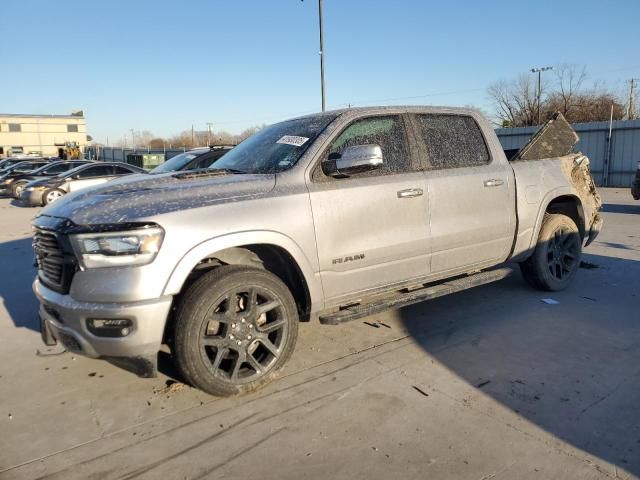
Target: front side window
x=452 y=141
x=387 y=132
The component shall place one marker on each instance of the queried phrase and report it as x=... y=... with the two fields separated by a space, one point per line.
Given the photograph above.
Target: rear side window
x=123 y=170
x=27 y=167
x=452 y=141
x=387 y=132
x=62 y=167
x=97 y=171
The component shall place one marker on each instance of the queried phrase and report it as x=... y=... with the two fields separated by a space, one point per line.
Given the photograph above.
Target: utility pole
x=630 y=108
x=192 y=142
x=539 y=71
x=133 y=138
x=209 y=133
x=322 y=85
x=321 y=55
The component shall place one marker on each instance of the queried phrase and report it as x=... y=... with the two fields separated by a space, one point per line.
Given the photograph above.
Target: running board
x=402 y=299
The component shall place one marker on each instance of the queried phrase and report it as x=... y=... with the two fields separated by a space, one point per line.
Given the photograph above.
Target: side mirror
x=355 y=159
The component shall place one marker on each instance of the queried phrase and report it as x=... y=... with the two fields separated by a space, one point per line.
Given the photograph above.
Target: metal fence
x=614 y=154
x=116 y=154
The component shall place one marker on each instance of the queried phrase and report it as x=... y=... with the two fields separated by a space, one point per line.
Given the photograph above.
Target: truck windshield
x=275 y=148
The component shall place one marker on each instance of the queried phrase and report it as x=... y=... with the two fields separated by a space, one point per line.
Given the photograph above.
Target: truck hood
x=143 y=196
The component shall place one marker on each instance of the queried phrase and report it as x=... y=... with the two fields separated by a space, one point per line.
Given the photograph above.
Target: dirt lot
x=488 y=383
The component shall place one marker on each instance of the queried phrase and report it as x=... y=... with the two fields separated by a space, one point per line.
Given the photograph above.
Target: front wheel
x=556 y=258
x=52 y=195
x=235 y=328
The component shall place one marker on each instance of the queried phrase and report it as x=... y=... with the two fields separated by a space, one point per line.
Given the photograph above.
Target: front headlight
x=117 y=249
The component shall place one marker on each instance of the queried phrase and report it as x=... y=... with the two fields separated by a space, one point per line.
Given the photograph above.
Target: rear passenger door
x=471 y=195
x=371 y=227
x=90 y=176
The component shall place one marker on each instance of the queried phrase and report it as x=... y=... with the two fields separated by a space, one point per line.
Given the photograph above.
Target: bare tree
x=569 y=81
x=515 y=101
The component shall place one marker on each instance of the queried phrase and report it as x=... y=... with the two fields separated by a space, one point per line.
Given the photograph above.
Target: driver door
x=371 y=227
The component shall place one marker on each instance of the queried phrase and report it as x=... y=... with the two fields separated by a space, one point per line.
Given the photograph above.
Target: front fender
x=209 y=247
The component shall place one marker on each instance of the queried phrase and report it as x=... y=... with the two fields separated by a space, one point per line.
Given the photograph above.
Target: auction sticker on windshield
x=293 y=140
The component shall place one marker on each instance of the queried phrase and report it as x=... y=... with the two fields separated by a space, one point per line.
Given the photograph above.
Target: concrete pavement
x=488 y=383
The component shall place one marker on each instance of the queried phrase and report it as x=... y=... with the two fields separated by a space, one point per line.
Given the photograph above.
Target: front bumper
x=635 y=188
x=32 y=196
x=65 y=319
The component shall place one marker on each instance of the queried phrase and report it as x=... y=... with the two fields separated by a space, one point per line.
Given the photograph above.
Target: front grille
x=55 y=267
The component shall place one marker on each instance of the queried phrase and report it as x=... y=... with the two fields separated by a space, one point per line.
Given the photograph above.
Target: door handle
x=410 y=192
x=494 y=182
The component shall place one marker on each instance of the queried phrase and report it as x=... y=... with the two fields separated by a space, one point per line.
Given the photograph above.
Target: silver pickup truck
x=328 y=217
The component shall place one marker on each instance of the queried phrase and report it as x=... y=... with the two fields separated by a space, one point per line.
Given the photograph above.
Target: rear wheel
x=17 y=189
x=52 y=195
x=556 y=258
x=235 y=328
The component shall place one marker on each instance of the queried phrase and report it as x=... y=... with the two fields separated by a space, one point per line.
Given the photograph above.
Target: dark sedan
x=7 y=176
x=20 y=179
x=193 y=159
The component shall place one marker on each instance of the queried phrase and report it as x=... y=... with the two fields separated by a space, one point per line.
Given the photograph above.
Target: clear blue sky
x=163 y=65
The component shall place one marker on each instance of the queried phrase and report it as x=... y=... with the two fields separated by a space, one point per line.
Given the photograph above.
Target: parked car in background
x=24 y=167
x=46 y=191
x=331 y=217
x=635 y=188
x=193 y=159
x=7 y=163
x=20 y=179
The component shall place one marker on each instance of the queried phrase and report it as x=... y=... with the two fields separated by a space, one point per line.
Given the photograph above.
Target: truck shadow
x=621 y=208
x=570 y=368
x=16 y=275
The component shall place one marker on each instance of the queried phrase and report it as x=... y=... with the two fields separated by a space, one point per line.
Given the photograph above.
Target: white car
x=43 y=192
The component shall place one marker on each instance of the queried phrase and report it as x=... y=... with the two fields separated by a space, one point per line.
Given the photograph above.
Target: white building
x=45 y=135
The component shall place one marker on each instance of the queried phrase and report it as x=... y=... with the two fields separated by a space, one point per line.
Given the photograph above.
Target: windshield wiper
x=208 y=172
x=227 y=170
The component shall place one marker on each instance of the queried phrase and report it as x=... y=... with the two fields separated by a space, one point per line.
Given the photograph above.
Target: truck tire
x=556 y=258
x=235 y=327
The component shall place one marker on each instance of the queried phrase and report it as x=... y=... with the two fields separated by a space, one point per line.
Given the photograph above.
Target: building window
x=72 y=128
x=15 y=127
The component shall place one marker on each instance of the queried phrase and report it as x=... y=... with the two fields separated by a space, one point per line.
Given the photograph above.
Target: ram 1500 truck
x=328 y=217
